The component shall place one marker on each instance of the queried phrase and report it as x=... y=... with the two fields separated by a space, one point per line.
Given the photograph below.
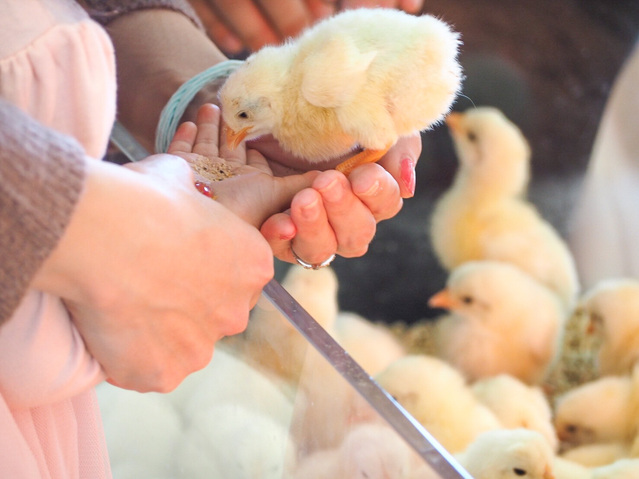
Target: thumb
x=265 y=197
x=169 y=168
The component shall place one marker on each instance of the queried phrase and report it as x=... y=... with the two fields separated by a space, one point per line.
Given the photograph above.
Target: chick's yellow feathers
x=333 y=88
x=361 y=78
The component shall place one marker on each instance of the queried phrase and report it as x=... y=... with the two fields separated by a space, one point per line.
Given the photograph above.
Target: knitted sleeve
x=105 y=11
x=41 y=178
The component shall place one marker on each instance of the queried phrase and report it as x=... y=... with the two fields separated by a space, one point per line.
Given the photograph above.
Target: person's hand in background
x=242 y=26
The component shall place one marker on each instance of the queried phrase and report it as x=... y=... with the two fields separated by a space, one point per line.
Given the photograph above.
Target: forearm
x=156 y=51
x=41 y=177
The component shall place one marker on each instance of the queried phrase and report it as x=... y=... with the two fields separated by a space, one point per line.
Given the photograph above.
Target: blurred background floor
x=549 y=66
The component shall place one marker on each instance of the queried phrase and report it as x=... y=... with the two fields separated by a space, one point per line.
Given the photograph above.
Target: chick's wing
x=334 y=72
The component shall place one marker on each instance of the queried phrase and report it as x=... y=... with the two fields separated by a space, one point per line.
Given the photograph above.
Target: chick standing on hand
x=502 y=321
x=362 y=78
x=484 y=214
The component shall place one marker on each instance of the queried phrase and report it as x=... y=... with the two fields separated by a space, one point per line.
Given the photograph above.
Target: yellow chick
x=502 y=321
x=437 y=396
x=484 y=214
x=613 y=309
x=517 y=405
x=362 y=78
x=509 y=454
x=600 y=411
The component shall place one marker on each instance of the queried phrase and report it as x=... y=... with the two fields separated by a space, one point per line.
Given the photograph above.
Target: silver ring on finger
x=306 y=265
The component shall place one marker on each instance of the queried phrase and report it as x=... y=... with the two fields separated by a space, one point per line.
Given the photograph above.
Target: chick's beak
x=443 y=299
x=548 y=473
x=234 y=138
x=453 y=121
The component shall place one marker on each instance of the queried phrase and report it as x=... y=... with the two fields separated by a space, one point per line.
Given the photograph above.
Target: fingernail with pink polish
x=407 y=175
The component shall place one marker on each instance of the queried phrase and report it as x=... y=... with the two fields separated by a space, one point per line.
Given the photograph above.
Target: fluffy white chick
x=613 y=309
x=234 y=441
x=369 y=451
x=508 y=454
x=484 y=214
x=363 y=77
x=502 y=321
x=437 y=396
x=372 y=345
x=517 y=405
x=141 y=430
x=271 y=342
x=621 y=469
x=599 y=411
x=597 y=454
x=155 y=435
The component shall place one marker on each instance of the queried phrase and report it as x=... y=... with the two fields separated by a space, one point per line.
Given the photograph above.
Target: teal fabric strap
x=177 y=104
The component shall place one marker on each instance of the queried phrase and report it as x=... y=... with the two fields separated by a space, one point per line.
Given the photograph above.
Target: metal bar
x=412 y=431
x=406 y=426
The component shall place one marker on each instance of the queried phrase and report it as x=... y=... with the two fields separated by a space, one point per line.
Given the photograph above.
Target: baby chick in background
x=437 y=396
x=362 y=78
x=272 y=343
x=509 y=453
x=369 y=451
x=373 y=346
x=484 y=214
x=620 y=469
x=517 y=405
x=501 y=321
x=613 y=309
x=601 y=411
x=504 y=454
x=598 y=454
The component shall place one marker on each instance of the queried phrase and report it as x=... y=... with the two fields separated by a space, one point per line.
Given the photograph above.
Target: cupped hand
x=250 y=190
x=338 y=215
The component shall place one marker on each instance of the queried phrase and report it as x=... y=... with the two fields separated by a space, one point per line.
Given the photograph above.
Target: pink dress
x=57 y=65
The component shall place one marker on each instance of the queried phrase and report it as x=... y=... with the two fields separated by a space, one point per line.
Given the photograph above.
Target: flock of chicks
x=486 y=388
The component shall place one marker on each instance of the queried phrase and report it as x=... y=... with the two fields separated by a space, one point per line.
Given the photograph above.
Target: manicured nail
x=407 y=175
x=203 y=188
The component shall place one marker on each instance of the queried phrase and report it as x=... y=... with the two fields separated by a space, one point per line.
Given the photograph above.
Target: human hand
x=250 y=24
x=153 y=272
x=339 y=214
x=248 y=188
x=329 y=213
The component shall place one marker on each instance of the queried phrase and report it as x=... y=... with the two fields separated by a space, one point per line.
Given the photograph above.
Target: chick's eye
x=472 y=137
x=519 y=472
x=571 y=429
x=467 y=299
x=243 y=115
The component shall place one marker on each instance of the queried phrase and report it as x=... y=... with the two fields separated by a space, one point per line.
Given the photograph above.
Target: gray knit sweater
x=42 y=174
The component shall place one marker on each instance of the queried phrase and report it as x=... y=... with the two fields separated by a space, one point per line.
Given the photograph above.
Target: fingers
x=377 y=190
x=245 y=19
x=321 y=8
x=220 y=33
x=400 y=162
x=337 y=215
x=170 y=168
x=288 y=17
x=208 y=131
